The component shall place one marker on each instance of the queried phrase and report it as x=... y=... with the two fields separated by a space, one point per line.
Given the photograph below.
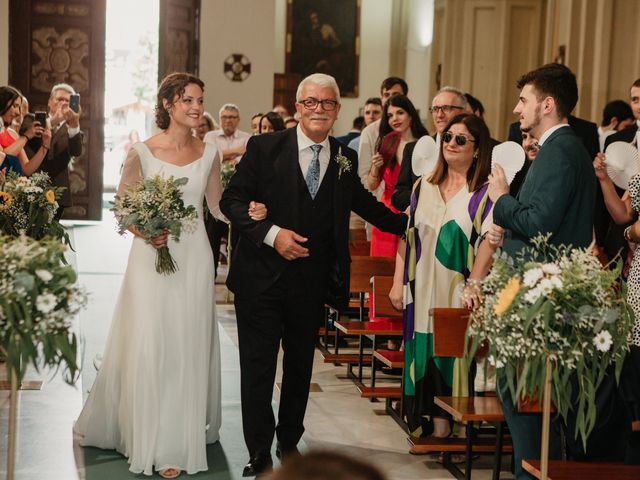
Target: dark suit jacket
x=345 y=139
x=557 y=196
x=62 y=150
x=268 y=173
x=586 y=130
x=626 y=135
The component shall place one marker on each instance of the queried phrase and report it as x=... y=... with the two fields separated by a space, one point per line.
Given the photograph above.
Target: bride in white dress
x=156 y=398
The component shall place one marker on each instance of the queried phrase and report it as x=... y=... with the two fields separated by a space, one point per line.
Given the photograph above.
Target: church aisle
x=337 y=418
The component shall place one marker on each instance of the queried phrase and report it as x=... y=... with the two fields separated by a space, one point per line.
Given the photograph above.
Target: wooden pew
x=571 y=470
x=449 y=331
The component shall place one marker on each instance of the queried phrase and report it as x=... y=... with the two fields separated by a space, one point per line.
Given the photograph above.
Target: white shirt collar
x=548 y=133
x=306 y=142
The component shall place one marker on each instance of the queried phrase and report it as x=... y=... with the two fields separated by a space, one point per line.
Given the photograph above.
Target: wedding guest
x=286 y=267
x=66 y=142
x=326 y=466
x=255 y=123
x=231 y=141
x=401 y=118
x=282 y=111
x=271 y=122
x=446 y=104
x=205 y=126
x=556 y=198
x=14 y=143
x=452 y=203
x=156 y=398
x=290 y=122
x=617 y=115
x=356 y=129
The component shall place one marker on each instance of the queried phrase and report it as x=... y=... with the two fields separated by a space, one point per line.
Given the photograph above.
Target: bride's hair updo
x=172 y=86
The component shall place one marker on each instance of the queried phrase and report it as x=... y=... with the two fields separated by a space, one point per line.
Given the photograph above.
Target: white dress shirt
x=548 y=133
x=305 y=155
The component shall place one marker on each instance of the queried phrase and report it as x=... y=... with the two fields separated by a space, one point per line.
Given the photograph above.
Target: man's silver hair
x=320 y=79
x=62 y=86
x=229 y=106
x=462 y=99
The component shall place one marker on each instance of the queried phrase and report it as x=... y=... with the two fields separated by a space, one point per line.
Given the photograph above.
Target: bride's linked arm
x=213 y=193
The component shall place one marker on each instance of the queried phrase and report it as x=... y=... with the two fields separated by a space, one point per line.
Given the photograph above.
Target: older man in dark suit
x=66 y=142
x=556 y=197
x=287 y=266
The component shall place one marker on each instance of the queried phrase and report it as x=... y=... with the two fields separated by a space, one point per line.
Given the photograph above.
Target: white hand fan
x=510 y=156
x=622 y=163
x=425 y=156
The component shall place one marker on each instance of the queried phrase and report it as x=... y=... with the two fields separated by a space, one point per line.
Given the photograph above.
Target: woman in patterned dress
x=445 y=246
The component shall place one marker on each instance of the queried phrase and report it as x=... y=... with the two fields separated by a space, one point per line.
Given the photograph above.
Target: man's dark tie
x=313 y=174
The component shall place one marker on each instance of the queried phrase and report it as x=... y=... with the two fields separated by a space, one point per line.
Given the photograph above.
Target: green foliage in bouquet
x=155 y=206
x=226 y=172
x=559 y=303
x=28 y=204
x=38 y=300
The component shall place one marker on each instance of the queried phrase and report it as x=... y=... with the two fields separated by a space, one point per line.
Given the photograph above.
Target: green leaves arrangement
x=28 y=205
x=226 y=172
x=558 y=303
x=154 y=206
x=38 y=299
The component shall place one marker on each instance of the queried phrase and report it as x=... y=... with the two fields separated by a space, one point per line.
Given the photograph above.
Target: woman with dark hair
x=271 y=122
x=400 y=125
x=450 y=212
x=156 y=398
x=12 y=143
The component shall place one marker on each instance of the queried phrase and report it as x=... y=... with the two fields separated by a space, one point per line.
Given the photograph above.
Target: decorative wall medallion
x=59 y=58
x=237 y=67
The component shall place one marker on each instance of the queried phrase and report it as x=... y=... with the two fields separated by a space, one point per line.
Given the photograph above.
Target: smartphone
x=74 y=102
x=41 y=118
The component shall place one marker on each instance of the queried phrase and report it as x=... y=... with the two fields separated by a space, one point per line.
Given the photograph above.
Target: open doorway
x=131 y=73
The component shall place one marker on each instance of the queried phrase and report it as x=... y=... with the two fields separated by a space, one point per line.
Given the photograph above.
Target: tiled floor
x=337 y=418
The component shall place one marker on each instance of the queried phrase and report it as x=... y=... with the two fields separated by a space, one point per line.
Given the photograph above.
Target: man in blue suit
x=557 y=197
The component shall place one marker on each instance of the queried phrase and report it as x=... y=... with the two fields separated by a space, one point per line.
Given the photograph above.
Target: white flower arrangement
x=38 y=300
x=557 y=303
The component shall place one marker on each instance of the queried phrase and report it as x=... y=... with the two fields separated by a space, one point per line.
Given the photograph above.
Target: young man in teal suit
x=557 y=198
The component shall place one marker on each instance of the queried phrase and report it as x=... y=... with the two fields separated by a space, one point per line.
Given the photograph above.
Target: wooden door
x=178 y=48
x=53 y=42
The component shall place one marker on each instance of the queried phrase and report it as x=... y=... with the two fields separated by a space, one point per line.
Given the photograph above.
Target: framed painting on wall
x=324 y=36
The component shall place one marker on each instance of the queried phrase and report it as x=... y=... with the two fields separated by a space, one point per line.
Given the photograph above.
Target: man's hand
x=287 y=244
x=498 y=185
x=73 y=118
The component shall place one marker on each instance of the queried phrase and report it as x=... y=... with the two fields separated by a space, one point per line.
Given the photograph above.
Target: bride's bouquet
x=154 y=206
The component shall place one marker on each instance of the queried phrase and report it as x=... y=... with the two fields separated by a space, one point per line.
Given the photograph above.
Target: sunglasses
x=461 y=140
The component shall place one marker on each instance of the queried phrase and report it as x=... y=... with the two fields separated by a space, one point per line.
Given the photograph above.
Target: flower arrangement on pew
x=154 y=206
x=28 y=205
x=38 y=300
x=553 y=304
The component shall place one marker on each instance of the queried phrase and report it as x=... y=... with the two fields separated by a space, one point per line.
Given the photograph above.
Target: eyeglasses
x=312 y=103
x=229 y=117
x=444 y=108
x=461 y=140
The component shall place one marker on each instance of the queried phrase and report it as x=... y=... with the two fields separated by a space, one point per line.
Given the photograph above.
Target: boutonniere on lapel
x=344 y=164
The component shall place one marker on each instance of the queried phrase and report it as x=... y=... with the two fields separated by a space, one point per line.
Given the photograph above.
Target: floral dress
x=442 y=238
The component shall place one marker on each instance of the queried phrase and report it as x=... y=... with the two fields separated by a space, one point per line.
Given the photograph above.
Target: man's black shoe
x=258 y=465
x=286 y=452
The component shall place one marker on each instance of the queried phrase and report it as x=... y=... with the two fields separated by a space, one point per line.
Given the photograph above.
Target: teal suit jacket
x=557 y=197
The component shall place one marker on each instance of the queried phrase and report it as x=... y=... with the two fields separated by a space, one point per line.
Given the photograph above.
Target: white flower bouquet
x=557 y=303
x=28 y=205
x=154 y=206
x=38 y=299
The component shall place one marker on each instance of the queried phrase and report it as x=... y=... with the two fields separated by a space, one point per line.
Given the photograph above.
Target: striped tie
x=313 y=174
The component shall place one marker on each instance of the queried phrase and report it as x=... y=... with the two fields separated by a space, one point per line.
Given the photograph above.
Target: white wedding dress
x=156 y=398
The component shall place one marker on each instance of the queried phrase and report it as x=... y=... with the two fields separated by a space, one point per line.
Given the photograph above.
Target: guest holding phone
x=12 y=142
x=66 y=140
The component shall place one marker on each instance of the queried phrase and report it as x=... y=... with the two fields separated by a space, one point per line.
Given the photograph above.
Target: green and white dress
x=442 y=239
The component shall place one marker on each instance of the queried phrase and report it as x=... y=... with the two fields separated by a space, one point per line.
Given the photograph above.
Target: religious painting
x=323 y=36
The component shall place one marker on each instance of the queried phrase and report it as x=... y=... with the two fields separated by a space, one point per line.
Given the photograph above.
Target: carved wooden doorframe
x=179 y=45
x=63 y=41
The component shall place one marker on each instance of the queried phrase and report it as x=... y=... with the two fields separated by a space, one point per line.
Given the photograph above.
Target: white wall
x=419 y=39
x=241 y=26
x=4 y=42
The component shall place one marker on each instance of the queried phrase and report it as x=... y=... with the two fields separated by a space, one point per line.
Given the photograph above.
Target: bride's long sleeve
x=131 y=172
x=213 y=192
